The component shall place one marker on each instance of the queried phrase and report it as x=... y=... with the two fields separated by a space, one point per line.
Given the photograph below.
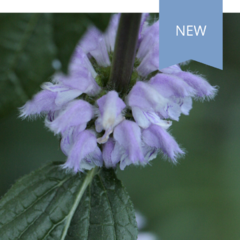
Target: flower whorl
x=100 y=127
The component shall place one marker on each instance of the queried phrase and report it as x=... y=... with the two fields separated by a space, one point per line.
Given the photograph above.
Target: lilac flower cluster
x=99 y=126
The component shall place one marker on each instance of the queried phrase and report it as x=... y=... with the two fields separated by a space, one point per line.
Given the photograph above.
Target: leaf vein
x=37 y=200
x=105 y=190
x=44 y=210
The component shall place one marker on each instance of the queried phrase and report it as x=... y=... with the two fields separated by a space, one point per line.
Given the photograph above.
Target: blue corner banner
x=190 y=30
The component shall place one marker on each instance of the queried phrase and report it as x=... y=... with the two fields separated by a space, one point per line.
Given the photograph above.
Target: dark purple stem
x=125 y=51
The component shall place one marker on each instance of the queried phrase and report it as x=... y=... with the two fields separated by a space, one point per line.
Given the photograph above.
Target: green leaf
x=29 y=44
x=27 y=52
x=52 y=204
x=105 y=213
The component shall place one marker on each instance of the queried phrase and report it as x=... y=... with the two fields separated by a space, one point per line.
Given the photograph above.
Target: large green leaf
x=52 y=204
x=106 y=212
x=30 y=44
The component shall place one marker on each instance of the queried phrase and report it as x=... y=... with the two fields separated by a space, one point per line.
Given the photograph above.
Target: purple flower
x=54 y=96
x=42 y=102
x=111 y=32
x=69 y=137
x=199 y=84
x=149 y=56
x=110 y=108
x=96 y=124
x=69 y=117
x=145 y=97
x=157 y=138
x=84 y=152
x=176 y=90
x=150 y=37
x=93 y=42
x=127 y=149
x=79 y=58
x=171 y=86
x=107 y=153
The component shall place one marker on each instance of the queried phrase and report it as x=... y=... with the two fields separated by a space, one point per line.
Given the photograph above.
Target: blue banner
x=190 y=29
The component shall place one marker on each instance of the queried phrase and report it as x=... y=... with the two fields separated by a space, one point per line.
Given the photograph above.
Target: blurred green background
x=197 y=199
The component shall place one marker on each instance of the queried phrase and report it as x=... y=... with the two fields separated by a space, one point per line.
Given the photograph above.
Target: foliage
x=53 y=204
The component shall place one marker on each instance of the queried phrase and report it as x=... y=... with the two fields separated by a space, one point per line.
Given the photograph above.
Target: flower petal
x=42 y=102
x=158 y=138
x=84 y=153
x=65 y=93
x=169 y=85
x=69 y=136
x=174 y=69
x=150 y=62
x=186 y=105
x=145 y=119
x=93 y=42
x=76 y=113
x=144 y=96
x=150 y=37
x=79 y=61
x=202 y=87
x=107 y=151
x=140 y=117
x=149 y=153
x=128 y=135
x=149 y=56
x=81 y=80
x=111 y=32
x=174 y=110
x=105 y=104
x=143 y=26
x=110 y=107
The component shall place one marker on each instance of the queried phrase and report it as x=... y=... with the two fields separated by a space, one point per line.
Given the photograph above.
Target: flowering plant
x=114 y=108
x=100 y=126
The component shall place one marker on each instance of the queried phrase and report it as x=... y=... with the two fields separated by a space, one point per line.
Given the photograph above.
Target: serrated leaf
x=105 y=212
x=42 y=204
x=26 y=55
x=52 y=204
